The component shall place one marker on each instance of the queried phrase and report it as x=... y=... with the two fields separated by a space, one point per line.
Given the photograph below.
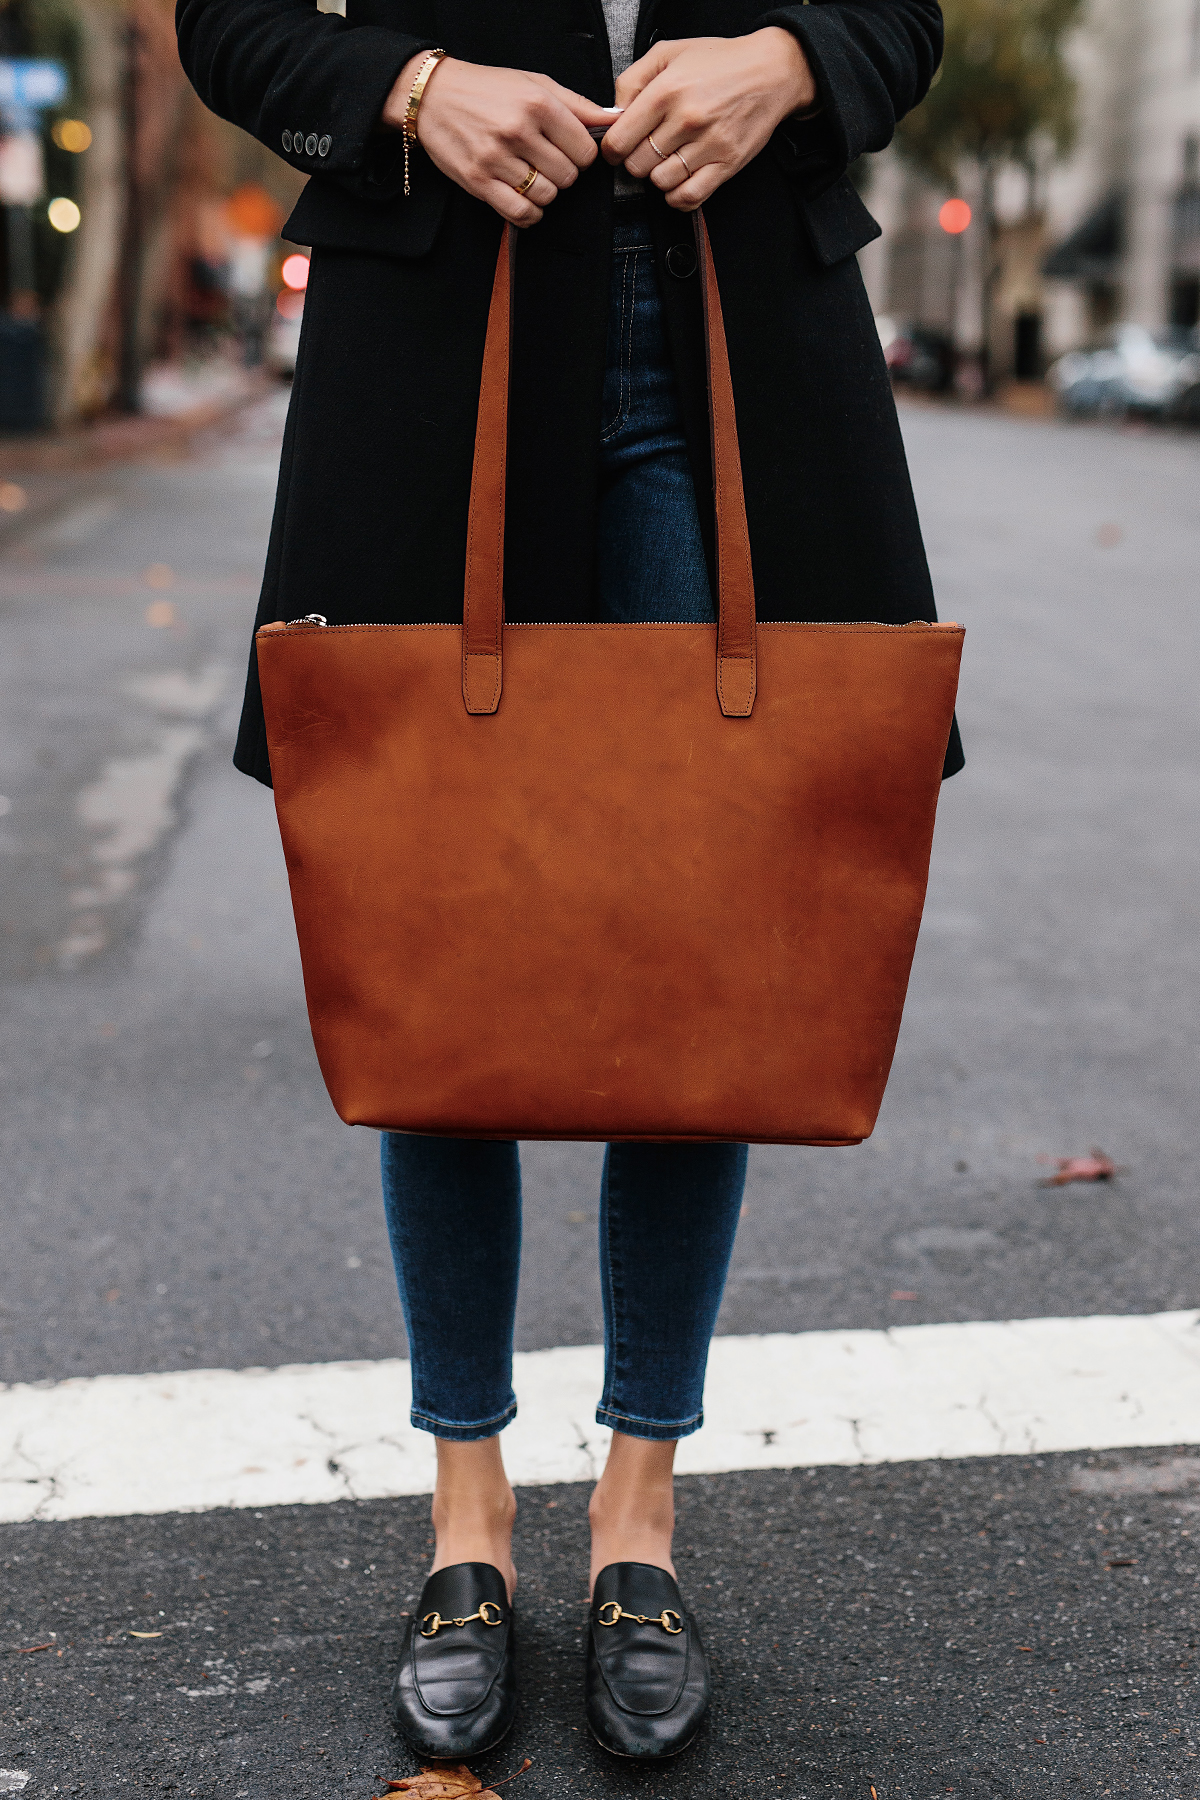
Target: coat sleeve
x=873 y=61
x=306 y=84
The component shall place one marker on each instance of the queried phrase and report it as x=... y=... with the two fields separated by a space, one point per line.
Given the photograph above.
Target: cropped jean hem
x=468 y=1433
x=660 y=1430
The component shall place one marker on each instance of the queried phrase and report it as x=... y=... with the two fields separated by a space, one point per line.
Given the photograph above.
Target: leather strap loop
x=737 y=663
x=483 y=588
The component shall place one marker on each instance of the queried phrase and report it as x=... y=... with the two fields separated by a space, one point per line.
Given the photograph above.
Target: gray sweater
x=621 y=17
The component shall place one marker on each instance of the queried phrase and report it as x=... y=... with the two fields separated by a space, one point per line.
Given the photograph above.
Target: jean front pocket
x=621 y=306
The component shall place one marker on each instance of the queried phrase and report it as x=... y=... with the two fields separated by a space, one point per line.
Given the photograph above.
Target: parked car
x=920 y=356
x=1136 y=371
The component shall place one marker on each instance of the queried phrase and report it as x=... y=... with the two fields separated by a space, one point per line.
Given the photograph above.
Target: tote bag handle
x=483 y=588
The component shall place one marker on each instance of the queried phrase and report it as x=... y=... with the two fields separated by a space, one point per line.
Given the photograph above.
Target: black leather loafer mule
x=455 y=1692
x=647 y=1675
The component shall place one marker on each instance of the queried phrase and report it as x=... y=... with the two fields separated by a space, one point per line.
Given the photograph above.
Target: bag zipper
x=319 y=621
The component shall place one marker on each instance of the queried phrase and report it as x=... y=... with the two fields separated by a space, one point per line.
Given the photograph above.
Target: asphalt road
x=923 y=1629
x=178 y=1192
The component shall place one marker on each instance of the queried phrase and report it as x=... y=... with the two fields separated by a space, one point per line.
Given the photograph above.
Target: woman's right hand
x=485 y=128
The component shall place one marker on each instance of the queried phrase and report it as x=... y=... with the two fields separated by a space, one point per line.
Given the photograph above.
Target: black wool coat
x=371 y=515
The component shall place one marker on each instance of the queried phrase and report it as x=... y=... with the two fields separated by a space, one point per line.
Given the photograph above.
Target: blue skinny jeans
x=668 y=1212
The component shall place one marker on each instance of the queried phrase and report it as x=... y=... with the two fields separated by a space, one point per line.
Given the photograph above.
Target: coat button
x=287 y=140
x=681 y=261
x=310 y=144
x=325 y=146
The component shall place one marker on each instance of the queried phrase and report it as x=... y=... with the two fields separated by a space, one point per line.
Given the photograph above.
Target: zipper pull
x=309 y=619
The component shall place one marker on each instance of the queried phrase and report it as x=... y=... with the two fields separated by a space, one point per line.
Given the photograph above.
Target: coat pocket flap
x=837 y=222
x=328 y=216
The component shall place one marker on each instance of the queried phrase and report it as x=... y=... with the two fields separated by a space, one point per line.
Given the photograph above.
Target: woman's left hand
x=710 y=104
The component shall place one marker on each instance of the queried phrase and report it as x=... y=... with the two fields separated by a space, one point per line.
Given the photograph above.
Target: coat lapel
x=646 y=26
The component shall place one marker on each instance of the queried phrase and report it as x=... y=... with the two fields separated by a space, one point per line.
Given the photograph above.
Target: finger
x=588 y=112
x=623 y=139
x=557 y=116
x=516 y=159
x=677 y=168
x=647 y=157
x=643 y=115
x=517 y=209
x=542 y=191
x=661 y=99
x=698 y=187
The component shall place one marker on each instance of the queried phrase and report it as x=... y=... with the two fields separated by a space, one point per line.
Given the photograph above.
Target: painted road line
x=106 y=1445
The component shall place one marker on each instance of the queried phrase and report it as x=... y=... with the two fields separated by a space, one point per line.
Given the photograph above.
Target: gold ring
x=683 y=159
x=661 y=154
x=528 y=181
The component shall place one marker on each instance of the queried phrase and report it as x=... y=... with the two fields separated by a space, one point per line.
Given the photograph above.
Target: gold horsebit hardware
x=432 y=1623
x=618 y=1613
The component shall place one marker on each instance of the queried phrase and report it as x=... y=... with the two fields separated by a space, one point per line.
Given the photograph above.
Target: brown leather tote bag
x=655 y=881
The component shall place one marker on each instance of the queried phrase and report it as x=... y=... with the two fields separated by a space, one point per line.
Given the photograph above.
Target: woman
x=757 y=116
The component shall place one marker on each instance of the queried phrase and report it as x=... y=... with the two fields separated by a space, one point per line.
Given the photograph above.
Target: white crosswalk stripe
x=107 y=1445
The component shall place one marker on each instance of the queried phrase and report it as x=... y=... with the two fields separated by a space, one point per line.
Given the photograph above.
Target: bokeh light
x=251 y=212
x=954 y=216
x=71 y=134
x=289 y=305
x=295 y=272
x=63 y=214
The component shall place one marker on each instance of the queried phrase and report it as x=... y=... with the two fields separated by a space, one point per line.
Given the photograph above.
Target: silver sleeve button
x=310 y=144
x=325 y=146
x=287 y=140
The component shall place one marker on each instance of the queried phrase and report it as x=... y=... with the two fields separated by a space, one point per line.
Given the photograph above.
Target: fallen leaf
x=1027 y=1647
x=438 y=1781
x=1096 y=1167
x=1121 y=1562
x=449 y=1781
x=33 y=1649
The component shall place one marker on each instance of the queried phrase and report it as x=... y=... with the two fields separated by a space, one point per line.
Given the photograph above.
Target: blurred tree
x=55 y=32
x=1004 y=91
x=156 y=106
x=1003 y=85
x=155 y=164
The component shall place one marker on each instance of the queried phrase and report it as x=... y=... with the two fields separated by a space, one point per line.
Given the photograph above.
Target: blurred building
x=1112 y=232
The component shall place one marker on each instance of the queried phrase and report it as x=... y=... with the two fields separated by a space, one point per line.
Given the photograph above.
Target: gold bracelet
x=415 y=95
